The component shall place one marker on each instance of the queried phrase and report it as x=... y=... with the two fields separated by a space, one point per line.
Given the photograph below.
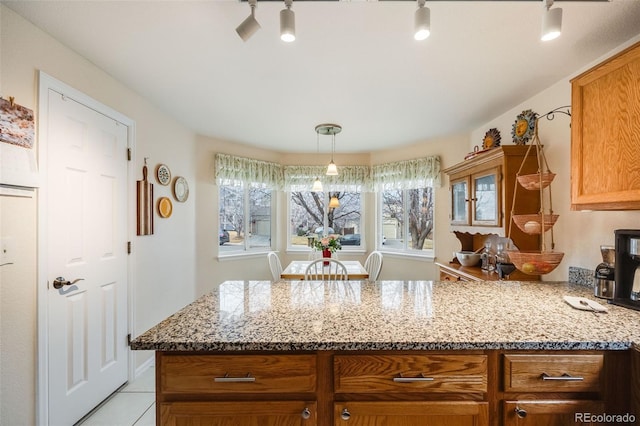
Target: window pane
x=259 y=217
x=393 y=219
x=309 y=212
x=307 y=217
x=420 y=219
x=231 y=230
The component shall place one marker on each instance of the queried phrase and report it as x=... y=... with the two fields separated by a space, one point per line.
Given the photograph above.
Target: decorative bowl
x=533 y=181
x=468 y=258
x=530 y=223
x=536 y=262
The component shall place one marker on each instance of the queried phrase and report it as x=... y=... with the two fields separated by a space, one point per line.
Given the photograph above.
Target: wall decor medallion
x=165 y=207
x=523 y=128
x=180 y=189
x=163 y=174
x=491 y=139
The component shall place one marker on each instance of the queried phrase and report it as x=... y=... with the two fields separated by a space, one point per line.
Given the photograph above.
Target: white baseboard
x=151 y=362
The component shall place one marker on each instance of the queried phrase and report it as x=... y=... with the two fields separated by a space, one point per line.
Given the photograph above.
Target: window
x=407 y=220
x=310 y=215
x=246 y=190
x=406 y=204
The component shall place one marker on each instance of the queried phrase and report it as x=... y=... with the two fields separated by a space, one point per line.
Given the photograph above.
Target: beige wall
x=164 y=264
x=577 y=234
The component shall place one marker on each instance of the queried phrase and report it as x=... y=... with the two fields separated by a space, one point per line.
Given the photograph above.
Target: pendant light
x=330 y=129
x=334 y=203
x=317 y=185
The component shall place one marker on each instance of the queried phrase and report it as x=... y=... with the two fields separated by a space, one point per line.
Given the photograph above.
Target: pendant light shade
x=287 y=23
x=334 y=203
x=317 y=186
x=551 y=22
x=330 y=129
x=422 y=21
x=249 y=26
x=332 y=170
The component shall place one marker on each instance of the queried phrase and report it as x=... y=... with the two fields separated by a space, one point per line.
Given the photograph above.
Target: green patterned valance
x=409 y=174
x=232 y=170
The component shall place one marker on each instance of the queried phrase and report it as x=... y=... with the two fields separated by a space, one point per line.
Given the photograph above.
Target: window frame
x=405 y=251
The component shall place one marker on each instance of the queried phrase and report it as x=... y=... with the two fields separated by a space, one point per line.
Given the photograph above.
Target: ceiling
x=354 y=63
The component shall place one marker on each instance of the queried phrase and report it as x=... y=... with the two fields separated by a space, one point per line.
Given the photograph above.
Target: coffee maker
x=627 y=268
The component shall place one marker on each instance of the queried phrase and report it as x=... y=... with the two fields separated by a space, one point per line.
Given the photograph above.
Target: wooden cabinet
x=550 y=413
x=605 y=134
x=475 y=199
x=281 y=413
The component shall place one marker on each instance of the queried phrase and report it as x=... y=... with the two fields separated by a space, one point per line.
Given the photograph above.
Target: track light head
x=551 y=22
x=287 y=23
x=249 y=26
x=422 y=21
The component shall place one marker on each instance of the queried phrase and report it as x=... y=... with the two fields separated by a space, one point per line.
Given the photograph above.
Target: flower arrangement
x=330 y=243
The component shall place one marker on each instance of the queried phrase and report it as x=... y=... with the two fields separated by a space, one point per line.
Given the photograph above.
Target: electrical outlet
x=7 y=250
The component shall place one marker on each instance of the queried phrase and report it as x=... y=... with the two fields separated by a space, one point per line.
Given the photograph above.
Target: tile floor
x=133 y=405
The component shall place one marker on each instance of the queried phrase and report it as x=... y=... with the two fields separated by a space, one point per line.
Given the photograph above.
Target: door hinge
x=128 y=154
x=128 y=247
x=129 y=339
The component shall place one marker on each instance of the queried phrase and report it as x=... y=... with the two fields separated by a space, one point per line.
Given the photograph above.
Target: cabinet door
x=265 y=413
x=486 y=198
x=418 y=413
x=460 y=201
x=551 y=413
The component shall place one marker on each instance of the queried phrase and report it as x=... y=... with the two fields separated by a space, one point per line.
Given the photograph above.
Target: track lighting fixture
x=249 y=25
x=287 y=23
x=551 y=21
x=422 y=21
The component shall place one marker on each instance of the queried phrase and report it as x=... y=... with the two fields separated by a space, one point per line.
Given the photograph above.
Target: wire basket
x=530 y=223
x=536 y=262
x=536 y=180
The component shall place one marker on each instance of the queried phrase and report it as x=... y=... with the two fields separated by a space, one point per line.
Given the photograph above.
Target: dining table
x=296 y=269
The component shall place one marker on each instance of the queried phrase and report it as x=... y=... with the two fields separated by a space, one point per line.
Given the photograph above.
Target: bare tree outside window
x=245 y=218
x=407 y=219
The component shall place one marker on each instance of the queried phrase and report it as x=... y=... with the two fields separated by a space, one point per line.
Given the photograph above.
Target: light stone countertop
x=392 y=315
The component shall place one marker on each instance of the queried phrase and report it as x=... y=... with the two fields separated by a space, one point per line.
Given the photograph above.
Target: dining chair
x=274 y=265
x=373 y=265
x=335 y=270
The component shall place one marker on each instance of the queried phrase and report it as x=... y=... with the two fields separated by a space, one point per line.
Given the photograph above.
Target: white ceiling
x=354 y=63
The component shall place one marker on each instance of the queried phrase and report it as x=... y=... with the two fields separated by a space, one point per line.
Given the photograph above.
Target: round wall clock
x=491 y=139
x=524 y=127
x=163 y=174
x=180 y=189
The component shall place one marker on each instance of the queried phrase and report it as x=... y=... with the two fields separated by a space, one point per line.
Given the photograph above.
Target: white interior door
x=87 y=241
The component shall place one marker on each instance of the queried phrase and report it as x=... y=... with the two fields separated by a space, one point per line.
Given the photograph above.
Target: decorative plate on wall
x=163 y=174
x=165 y=207
x=180 y=189
x=524 y=127
x=491 y=139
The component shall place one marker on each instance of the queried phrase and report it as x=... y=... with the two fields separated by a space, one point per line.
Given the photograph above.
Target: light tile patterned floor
x=133 y=405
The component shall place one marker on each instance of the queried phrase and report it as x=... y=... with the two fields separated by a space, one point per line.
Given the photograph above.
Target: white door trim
x=46 y=83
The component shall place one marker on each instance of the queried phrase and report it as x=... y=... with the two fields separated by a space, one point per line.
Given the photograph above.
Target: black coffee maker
x=627 y=268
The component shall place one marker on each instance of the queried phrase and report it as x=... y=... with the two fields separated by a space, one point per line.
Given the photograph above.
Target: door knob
x=61 y=282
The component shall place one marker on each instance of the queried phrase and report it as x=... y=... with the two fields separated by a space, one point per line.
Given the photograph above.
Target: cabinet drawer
x=231 y=374
x=281 y=413
x=410 y=373
x=553 y=373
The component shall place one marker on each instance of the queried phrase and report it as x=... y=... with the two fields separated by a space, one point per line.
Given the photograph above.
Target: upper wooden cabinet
x=605 y=135
x=482 y=189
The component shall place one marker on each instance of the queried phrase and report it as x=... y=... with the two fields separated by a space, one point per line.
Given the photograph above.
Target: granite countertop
x=392 y=315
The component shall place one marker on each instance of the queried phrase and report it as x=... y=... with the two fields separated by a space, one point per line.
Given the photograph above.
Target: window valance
x=350 y=178
x=232 y=170
x=409 y=174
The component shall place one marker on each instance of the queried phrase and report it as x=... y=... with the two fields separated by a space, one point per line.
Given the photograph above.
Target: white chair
x=274 y=265
x=335 y=270
x=373 y=265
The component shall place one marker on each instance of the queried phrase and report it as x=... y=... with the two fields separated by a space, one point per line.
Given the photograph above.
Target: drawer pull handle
x=521 y=413
x=422 y=378
x=566 y=377
x=227 y=379
x=306 y=414
x=345 y=415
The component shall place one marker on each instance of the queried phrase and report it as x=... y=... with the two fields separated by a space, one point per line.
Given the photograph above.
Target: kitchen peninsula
x=408 y=352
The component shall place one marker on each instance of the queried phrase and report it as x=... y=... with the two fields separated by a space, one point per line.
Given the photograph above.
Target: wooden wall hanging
x=145 y=204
